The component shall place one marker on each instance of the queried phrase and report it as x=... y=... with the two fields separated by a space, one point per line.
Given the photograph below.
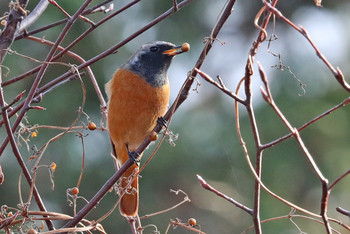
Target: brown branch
x=185 y=199
x=290 y=216
x=37 y=81
x=208 y=187
x=33 y=16
x=257 y=178
x=338 y=180
x=13 y=22
x=336 y=72
x=72 y=44
x=19 y=157
x=219 y=85
x=249 y=108
x=177 y=222
x=325 y=193
x=344 y=212
x=26 y=107
x=62 y=21
x=343 y=103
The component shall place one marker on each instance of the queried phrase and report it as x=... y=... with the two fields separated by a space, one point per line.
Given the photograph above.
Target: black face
x=150 y=62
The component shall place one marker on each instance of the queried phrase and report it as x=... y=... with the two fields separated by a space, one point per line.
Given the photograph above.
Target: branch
x=33 y=16
x=19 y=157
x=13 y=21
x=78 y=39
x=325 y=193
x=343 y=103
x=220 y=85
x=249 y=108
x=35 y=85
x=336 y=72
x=208 y=187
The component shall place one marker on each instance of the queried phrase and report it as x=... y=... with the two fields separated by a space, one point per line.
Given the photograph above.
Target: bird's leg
x=161 y=121
x=133 y=155
x=114 y=156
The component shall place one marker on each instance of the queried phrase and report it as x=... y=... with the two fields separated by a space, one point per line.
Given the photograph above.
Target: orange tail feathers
x=129 y=203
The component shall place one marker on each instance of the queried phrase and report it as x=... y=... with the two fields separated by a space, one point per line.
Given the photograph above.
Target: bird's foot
x=134 y=156
x=161 y=121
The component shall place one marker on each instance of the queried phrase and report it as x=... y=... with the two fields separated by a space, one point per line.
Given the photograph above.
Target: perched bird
x=138 y=95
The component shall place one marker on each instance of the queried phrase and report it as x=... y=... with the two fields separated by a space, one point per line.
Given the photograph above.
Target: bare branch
x=33 y=16
x=219 y=85
x=336 y=72
x=208 y=187
x=13 y=21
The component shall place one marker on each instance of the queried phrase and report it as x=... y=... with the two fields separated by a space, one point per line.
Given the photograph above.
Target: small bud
x=34 y=134
x=19 y=96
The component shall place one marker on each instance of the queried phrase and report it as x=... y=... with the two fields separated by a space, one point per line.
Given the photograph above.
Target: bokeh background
x=207 y=142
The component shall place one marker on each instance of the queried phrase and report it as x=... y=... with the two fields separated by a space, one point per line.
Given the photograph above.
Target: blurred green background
x=207 y=144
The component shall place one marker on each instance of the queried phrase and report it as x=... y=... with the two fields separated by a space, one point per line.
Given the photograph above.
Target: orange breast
x=134 y=107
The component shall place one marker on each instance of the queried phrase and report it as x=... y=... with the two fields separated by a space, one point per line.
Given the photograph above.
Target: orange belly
x=134 y=107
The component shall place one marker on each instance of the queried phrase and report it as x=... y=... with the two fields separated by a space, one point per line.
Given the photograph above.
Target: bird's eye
x=153 y=49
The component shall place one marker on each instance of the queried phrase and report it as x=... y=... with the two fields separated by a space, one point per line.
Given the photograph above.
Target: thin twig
x=338 y=180
x=37 y=81
x=12 y=25
x=344 y=212
x=33 y=16
x=175 y=223
x=342 y=104
x=325 y=192
x=78 y=39
x=336 y=72
x=219 y=85
x=208 y=187
x=20 y=159
x=185 y=199
x=290 y=216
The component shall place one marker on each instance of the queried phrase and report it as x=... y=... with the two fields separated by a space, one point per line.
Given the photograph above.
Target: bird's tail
x=129 y=203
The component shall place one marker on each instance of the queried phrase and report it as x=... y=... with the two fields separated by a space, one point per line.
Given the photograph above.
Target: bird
x=138 y=96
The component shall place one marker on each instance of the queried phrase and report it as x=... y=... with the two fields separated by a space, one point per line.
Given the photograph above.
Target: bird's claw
x=161 y=121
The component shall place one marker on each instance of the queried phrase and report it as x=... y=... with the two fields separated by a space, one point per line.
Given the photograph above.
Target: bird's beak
x=178 y=50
